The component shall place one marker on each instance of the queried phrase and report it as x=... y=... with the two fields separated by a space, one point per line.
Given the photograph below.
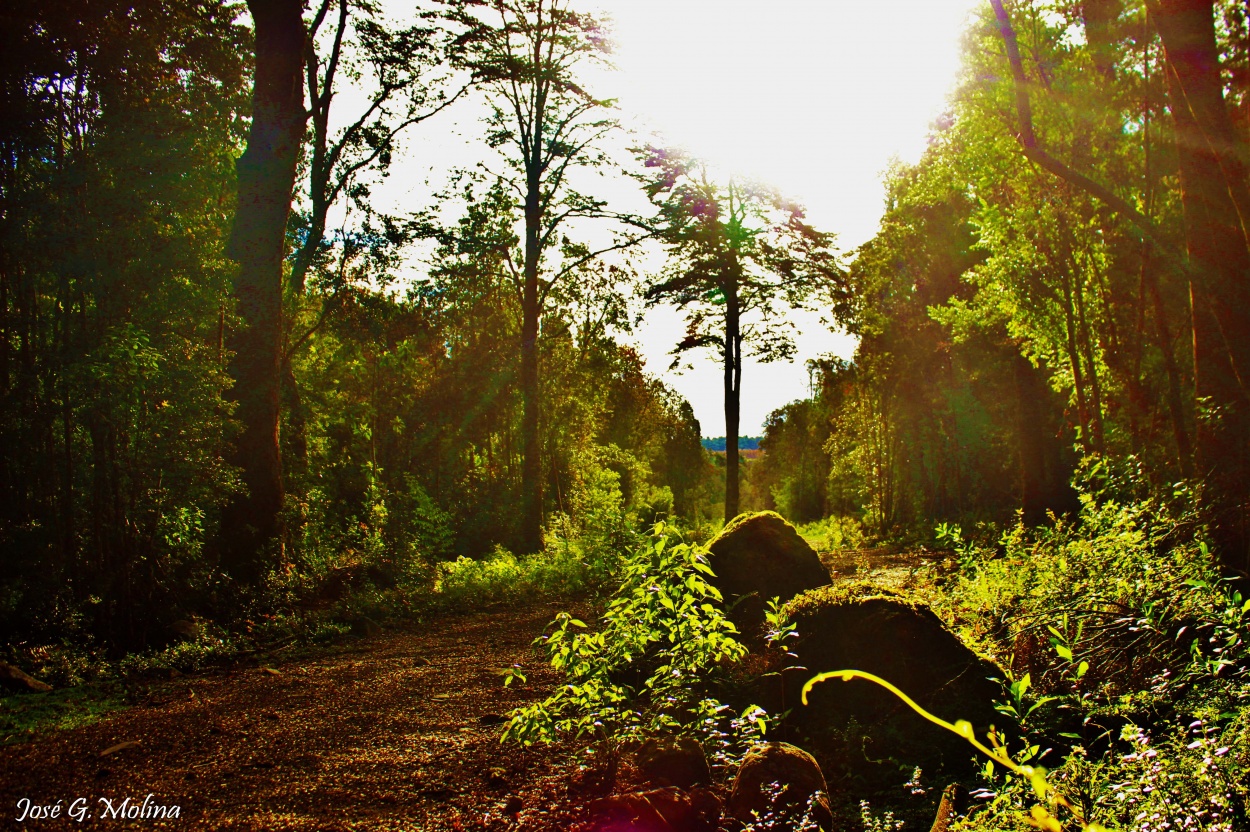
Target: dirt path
x=882 y=565
x=400 y=731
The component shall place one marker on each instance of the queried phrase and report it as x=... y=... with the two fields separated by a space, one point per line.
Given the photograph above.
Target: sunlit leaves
x=663 y=631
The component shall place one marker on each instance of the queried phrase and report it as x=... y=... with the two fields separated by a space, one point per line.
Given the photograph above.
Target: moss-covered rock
x=859 y=627
x=777 y=784
x=758 y=557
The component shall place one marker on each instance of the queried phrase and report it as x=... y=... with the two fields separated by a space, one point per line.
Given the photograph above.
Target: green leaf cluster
x=649 y=666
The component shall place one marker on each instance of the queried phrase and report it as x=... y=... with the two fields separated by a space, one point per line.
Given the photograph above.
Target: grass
x=23 y=715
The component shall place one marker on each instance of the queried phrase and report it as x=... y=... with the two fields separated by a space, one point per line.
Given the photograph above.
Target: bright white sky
x=813 y=96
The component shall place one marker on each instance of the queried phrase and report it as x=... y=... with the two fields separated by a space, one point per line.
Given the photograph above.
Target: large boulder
x=860 y=627
x=758 y=557
x=780 y=783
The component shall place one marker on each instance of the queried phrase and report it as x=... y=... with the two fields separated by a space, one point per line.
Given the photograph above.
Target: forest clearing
x=508 y=414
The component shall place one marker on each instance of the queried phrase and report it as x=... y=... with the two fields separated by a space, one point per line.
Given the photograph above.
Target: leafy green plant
x=647 y=668
x=874 y=823
x=1117 y=616
x=512 y=674
x=967 y=552
x=779 y=629
x=502 y=576
x=1020 y=705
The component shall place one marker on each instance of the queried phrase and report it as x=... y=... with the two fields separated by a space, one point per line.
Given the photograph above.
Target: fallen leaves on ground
x=399 y=731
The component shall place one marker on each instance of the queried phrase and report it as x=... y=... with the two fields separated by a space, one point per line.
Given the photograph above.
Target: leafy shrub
x=502 y=576
x=1112 y=589
x=648 y=669
x=1138 y=655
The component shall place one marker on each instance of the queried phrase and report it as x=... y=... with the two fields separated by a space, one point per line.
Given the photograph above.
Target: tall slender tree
x=739 y=258
x=406 y=76
x=526 y=54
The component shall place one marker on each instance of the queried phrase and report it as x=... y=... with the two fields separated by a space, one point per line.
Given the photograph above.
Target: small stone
x=782 y=779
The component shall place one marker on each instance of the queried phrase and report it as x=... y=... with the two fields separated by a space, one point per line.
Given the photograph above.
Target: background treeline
x=401 y=410
x=717 y=443
x=1056 y=285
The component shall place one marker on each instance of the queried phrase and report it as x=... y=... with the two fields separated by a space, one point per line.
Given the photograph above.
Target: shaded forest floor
x=399 y=731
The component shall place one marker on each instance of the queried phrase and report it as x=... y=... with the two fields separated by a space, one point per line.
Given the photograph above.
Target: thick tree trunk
x=733 y=401
x=1214 y=200
x=531 y=444
x=251 y=522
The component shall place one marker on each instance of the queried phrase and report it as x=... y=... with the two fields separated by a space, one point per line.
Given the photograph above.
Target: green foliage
x=877 y=823
x=1116 y=617
x=779 y=628
x=465 y=583
x=834 y=533
x=23 y=715
x=647 y=669
x=117 y=177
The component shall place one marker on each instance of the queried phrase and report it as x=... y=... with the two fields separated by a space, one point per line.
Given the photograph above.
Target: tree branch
x=1034 y=152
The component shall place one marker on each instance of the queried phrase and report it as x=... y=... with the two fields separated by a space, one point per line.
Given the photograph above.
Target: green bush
x=502 y=576
x=650 y=666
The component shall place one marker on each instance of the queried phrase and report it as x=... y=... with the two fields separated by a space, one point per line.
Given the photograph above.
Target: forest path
x=399 y=731
x=884 y=565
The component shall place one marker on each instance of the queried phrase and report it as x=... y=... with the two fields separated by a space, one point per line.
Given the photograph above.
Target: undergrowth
x=1128 y=671
x=651 y=664
x=831 y=534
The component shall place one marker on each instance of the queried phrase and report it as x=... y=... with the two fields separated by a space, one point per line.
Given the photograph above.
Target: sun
x=813 y=96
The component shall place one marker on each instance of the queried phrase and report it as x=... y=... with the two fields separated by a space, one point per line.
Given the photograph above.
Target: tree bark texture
x=1214 y=200
x=251 y=522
